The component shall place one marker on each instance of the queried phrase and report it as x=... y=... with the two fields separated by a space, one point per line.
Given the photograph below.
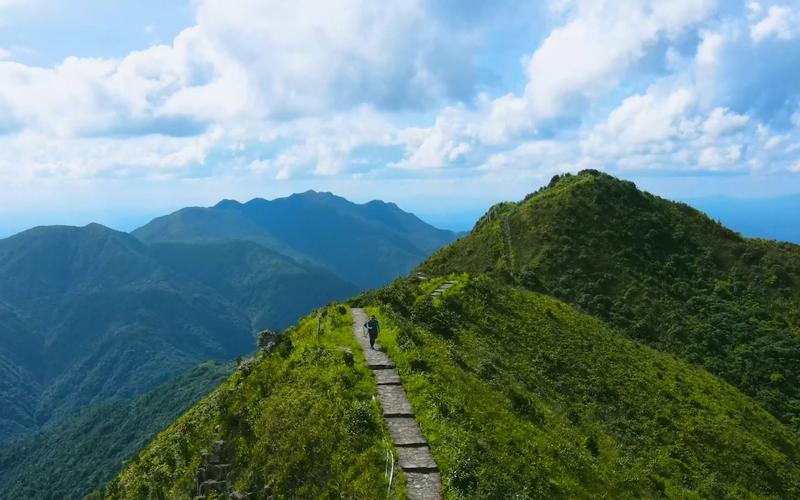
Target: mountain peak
x=227 y=204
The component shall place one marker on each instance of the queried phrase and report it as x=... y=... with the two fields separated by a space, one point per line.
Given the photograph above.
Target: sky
x=117 y=111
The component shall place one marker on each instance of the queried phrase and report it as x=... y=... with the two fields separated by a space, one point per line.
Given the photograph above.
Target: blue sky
x=118 y=111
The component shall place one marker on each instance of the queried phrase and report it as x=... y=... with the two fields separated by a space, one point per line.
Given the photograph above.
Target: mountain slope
x=85 y=449
x=299 y=422
x=368 y=244
x=272 y=289
x=91 y=314
x=659 y=271
x=518 y=394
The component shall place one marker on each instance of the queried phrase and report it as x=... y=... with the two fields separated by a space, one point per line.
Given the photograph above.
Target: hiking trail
x=414 y=457
x=442 y=288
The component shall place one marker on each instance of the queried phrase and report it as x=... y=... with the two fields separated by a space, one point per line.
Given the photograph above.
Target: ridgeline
x=595 y=341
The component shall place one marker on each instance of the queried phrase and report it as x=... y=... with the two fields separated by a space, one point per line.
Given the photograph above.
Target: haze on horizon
x=118 y=112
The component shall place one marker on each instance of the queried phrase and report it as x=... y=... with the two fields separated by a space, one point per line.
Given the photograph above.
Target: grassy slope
x=301 y=423
x=659 y=271
x=519 y=394
x=86 y=449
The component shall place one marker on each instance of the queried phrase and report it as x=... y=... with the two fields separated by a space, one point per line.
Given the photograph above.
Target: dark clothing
x=373 y=328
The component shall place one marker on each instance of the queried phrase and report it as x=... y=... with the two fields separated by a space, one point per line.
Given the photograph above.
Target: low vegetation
x=298 y=421
x=521 y=396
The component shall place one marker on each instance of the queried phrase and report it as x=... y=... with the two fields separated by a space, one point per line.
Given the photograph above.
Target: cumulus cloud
x=721 y=121
x=248 y=67
x=288 y=90
x=781 y=22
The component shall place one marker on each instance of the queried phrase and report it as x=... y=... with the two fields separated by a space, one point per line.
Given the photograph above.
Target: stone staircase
x=442 y=288
x=211 y=478
x=414 y=457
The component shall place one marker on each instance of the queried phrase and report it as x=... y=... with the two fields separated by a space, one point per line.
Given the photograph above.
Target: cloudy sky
x=116 y=111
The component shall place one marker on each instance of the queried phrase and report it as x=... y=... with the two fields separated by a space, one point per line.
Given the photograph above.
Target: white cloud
x=440 y=145
x=650 y=117
x=4 y=54
x=774 y=141
x=715 y=158
x=722 y=121
x=583 y=59
x=781 y=22
x=272 y=90
x=248 y=67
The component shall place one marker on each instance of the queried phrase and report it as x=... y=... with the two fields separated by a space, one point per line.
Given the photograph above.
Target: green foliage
x=522 y=396
x=85 y=449
x=661 y=272
x=300 y=424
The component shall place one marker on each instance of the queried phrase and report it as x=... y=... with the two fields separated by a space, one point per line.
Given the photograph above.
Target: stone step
x=376 y=359
x=416 y=459
x=393 y=401
x=422 y=485
x=386 y=377
x=405 y=431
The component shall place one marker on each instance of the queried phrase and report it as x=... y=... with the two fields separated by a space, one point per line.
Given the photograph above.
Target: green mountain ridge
x=519 y=394
x=659 y=271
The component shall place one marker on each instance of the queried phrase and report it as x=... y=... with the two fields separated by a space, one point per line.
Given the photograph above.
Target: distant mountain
x=659 y=271
x=91 y=314
x=86 y=447
x=772 y=218
x=368 y=244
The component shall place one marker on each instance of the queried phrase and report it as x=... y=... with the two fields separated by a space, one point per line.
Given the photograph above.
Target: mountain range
x=89 y=314
x=594 y=341
x=368 y=245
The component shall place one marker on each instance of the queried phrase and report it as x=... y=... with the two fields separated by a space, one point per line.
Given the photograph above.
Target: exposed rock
x=347 y=356
x=213 y=486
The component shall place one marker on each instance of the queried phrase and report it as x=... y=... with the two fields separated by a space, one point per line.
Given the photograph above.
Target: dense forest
x=84 y=449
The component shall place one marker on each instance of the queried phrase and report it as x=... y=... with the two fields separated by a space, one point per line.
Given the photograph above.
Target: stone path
x=442 y=288
x=414 y=457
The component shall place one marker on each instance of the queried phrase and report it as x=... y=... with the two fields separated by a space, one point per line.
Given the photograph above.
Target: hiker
x=373 y=327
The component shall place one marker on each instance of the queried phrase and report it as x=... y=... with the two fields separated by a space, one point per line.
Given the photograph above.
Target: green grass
x=521 y=396
x=300 y=424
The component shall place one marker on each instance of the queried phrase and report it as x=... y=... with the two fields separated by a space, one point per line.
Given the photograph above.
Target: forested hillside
x=661 y=272
x=86 y=448
x=91 y=314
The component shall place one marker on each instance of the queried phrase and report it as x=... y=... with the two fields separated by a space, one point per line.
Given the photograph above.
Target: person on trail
x=373 y=328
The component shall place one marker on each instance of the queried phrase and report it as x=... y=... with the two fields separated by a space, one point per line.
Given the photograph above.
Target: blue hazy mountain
x=369 y=244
